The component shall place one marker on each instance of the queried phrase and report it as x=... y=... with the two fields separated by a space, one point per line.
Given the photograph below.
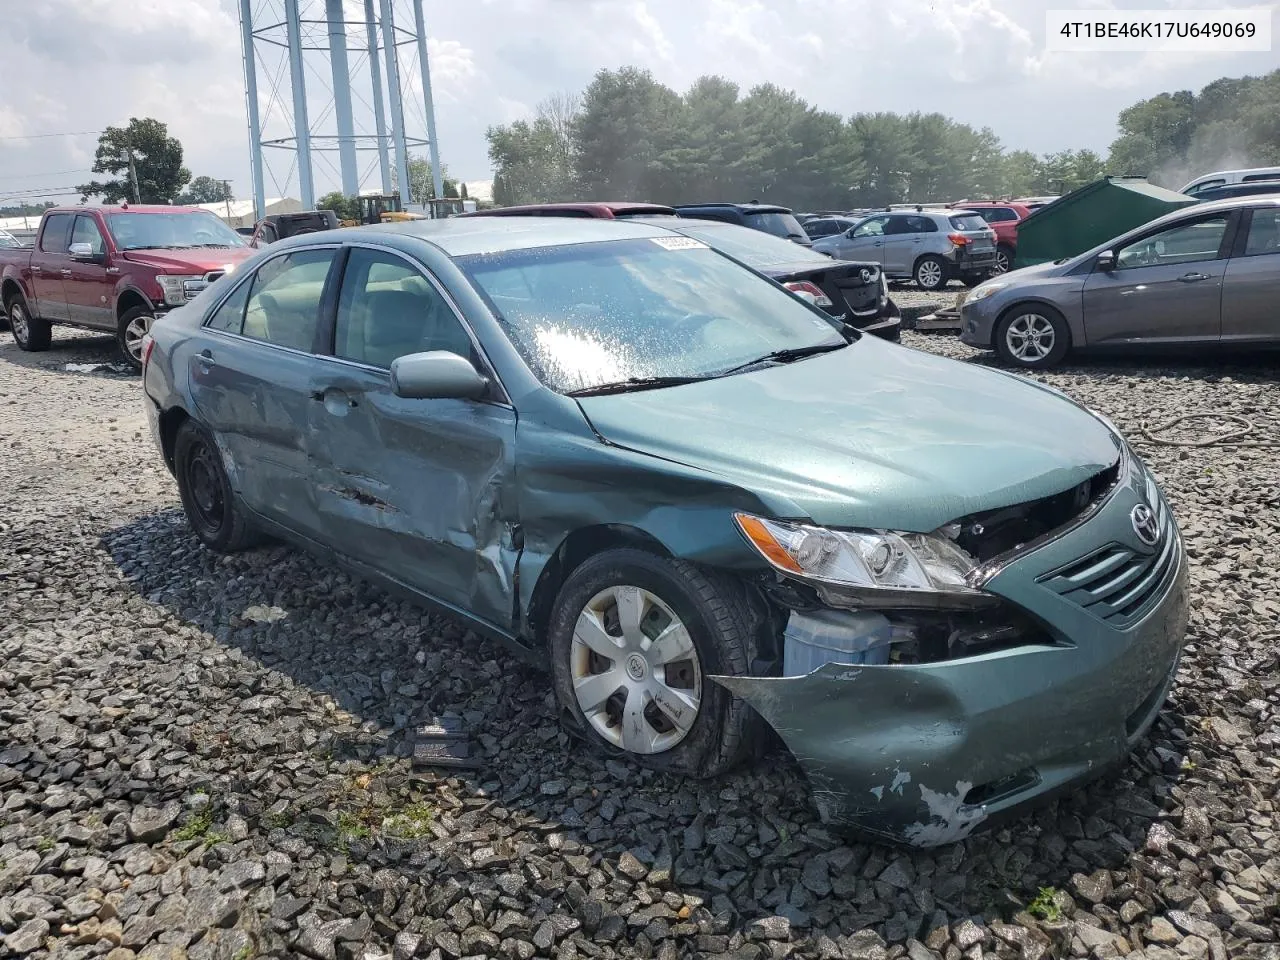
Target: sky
x=76 y=66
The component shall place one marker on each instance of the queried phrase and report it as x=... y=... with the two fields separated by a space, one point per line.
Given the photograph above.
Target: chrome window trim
x=489 y=371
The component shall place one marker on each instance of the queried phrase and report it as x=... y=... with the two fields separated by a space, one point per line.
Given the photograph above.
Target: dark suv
x=758 y=216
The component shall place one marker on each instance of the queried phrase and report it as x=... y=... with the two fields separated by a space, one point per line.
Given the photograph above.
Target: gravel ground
x=207 y=757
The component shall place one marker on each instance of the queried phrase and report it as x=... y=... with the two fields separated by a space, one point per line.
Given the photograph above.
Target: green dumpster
x=1092 y=215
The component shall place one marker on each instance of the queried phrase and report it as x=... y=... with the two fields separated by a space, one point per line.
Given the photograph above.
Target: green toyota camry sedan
x=702 y=503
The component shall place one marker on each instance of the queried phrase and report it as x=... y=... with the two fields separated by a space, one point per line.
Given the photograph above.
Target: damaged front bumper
x=925 y=754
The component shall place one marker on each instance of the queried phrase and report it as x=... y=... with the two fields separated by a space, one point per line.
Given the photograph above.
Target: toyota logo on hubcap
x=1144 y=524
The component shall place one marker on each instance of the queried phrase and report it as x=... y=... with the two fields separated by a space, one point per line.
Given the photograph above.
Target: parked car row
x=704 y=505
x=1203 y=277
x=931 y=247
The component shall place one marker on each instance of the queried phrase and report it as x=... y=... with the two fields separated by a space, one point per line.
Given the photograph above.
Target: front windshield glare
x=147 y=231
x=590 y=314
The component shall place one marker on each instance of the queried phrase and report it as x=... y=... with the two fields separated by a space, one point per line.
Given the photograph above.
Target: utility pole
x=133 y=175
x=226 y=195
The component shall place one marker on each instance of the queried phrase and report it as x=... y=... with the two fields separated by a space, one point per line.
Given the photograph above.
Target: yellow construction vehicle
x=382 y=208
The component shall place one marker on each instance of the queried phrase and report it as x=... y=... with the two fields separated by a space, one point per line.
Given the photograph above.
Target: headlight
x=179 y=288
x=984 y=290
x=882 y=563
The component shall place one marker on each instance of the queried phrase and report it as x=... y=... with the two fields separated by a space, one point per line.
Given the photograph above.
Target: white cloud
x=73 y=65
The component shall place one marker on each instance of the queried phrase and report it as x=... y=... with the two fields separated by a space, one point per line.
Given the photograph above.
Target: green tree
x=157 y=164
x=205 y=190
x=627 y=122
x=347 y=208
x=422 y=186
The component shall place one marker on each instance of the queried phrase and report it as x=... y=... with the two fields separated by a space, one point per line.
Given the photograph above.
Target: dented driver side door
x=419 y=490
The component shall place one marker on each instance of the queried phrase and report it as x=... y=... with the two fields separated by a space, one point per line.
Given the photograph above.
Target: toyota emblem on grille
x=1144 y=523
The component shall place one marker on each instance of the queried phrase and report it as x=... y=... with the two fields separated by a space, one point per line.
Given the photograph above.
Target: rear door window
x=1264 y=233
x=53 y=239
x=284 y=302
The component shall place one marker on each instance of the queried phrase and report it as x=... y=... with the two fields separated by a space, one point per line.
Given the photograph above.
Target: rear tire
x=931 y=273
x=213 y=512
x=1004 y=260
x=30 y=333
x=1033 y=336
x=134 y=325
x=610 y=696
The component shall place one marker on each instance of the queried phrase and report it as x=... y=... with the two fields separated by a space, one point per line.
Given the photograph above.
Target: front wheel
x=634 y=639
x=1033 y=336
x=29 y=333
x=931 y=273
x=134 y=326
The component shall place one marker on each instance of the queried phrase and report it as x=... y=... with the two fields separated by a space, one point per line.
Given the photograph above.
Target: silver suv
x=930 y=247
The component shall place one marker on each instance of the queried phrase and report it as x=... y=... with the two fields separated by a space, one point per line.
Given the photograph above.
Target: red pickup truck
x=112 y=268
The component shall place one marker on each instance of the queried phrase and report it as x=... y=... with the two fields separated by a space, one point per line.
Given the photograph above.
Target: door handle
x=1193 y=277
x=205 y=359
x=35 y=269
x=65 y=272
x=332 y=393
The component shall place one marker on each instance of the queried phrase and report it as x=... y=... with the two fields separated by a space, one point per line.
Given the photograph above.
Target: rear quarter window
x=968 y=222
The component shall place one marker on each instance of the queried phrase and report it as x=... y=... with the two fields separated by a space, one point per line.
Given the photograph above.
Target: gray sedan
x=1205 y=276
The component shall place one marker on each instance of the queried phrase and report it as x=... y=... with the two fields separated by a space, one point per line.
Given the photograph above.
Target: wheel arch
x=171 y=421
x=948 y=269
x=10 y=289
x=130 y=298
x=574 y=550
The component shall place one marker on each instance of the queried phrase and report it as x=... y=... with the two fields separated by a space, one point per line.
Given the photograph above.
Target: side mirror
x=1106 y=261
x=437 y=375
x=849 y=233
x=83 y=252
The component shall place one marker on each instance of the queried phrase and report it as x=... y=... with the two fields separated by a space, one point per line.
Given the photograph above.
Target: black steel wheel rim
x=205 y=486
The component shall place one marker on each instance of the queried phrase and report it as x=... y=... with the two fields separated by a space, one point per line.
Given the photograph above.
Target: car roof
x=741 y=207
x=464 y=236
x=131 y=208
x=614 y=207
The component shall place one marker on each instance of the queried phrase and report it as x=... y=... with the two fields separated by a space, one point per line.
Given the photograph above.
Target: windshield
x=588 y=314
x=779 y=224
x=147 y=231
x=752 y=247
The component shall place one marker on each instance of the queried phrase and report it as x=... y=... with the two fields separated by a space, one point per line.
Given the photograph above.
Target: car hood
x=871 y=435
x=194 y=260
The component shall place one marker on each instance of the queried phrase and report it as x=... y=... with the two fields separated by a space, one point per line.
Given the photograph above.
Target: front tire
x=1034 y=336
x=634 y=639
x=212 y=510
x=931 y=273
x=29 y=333
x=134 y=325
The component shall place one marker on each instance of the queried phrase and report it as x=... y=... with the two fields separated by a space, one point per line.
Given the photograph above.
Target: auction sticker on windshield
x=679 y=243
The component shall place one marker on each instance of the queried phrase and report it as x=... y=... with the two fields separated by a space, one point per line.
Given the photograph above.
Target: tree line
x=629 y=137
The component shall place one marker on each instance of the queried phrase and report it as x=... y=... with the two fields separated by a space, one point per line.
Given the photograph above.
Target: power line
x=45 y=136
x=43 y=173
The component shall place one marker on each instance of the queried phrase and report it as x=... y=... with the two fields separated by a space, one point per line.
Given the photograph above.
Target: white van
x=1223 y=177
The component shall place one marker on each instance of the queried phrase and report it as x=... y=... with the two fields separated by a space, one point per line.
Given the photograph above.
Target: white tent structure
x=239 y=213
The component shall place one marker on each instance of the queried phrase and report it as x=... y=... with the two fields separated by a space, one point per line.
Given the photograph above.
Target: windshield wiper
x=785 y=356
x=632 y=383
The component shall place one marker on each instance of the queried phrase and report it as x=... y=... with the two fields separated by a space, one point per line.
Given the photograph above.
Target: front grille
x=1117 y=583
